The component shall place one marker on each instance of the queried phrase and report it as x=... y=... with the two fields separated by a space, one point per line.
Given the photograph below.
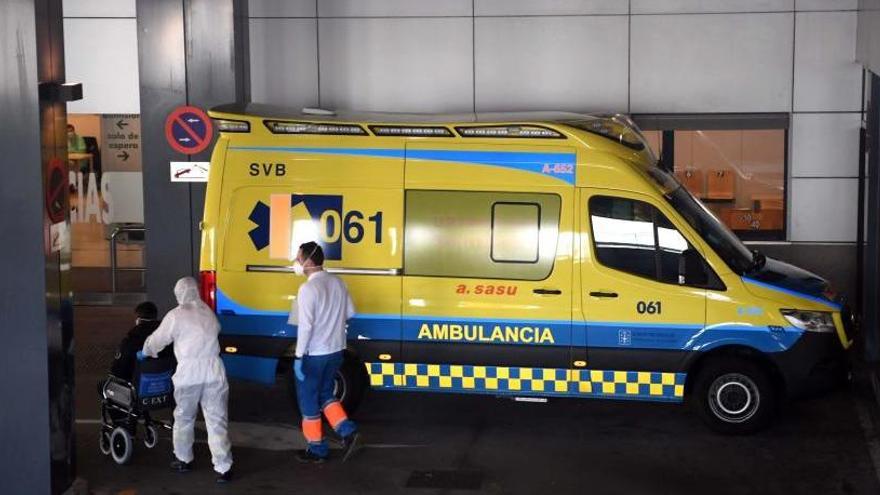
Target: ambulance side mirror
x=691 y=269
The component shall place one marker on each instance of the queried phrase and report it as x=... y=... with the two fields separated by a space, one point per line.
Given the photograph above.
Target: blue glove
x=141 y=356
x=298 y=370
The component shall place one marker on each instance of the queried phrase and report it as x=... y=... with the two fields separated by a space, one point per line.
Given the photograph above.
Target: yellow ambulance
x=525 y=255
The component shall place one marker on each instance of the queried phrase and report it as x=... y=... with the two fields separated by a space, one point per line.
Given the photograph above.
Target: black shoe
x=308 y=457
x=225 y=477
x=349 y=445
x=180 y=466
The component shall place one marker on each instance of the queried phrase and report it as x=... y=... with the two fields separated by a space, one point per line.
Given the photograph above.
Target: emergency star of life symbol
x=292 y=219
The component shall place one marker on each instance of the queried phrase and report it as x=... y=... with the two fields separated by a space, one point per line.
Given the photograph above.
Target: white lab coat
x=200 y=377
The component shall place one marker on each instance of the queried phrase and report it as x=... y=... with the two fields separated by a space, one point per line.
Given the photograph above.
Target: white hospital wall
x=100 y=51
x=642 y=56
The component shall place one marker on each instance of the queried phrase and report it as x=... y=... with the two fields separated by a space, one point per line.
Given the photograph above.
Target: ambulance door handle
x=548 y=292
x=603 y=294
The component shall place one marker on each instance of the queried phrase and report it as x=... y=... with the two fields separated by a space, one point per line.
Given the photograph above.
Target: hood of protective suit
x=187 y=291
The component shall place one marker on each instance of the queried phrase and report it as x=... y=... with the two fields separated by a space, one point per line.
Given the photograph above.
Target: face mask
x=298 y=268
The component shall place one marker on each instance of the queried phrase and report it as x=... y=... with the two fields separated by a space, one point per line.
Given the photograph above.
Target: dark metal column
x=192 y=52
x=667 y=150
x=53 y=128
x=36 y=331
x=871 y=290
x=162 y=68
x=217 y=72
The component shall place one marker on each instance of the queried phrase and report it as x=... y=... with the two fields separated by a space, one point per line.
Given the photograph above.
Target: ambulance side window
x=634 y=237
x=481 y=234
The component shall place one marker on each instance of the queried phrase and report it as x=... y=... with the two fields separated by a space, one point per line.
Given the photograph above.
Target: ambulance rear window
x=516 y=230
x=481 y=234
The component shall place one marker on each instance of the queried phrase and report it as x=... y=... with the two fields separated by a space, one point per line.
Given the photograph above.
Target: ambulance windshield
x=724 y=242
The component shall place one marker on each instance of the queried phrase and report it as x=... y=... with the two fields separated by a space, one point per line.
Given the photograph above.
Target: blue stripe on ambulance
x=540 y=163
x=642 y=385
x=831 y=304
x=687 y=337
x=225 y=305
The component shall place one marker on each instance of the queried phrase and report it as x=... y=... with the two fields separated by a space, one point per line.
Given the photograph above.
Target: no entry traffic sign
x=188 y=130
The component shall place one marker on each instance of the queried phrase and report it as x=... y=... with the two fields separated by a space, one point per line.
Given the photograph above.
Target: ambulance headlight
x=810 y=321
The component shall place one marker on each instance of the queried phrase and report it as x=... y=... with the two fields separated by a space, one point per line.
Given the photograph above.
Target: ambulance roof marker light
x=509 y=131
x=280 y=127
x=618 y=128
x=318 y=111
x=417 y=131
x=228 y=125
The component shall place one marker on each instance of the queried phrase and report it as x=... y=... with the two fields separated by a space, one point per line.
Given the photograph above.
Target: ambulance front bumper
x=816 y=363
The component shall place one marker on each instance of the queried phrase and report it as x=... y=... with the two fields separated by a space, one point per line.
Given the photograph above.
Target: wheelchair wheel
x=121 y=445
x=104 y=441
x=151 y=436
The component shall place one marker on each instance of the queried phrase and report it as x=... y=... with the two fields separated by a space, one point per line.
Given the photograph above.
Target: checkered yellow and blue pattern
x=642 y=385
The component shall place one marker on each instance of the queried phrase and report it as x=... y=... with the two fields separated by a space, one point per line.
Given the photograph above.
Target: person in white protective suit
x=200 y=377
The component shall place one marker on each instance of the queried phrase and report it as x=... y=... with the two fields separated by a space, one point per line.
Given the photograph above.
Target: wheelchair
x=125 y=405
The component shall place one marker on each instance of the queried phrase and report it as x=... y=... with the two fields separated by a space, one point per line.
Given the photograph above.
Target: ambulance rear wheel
x=121 y=445
x=349 y=385
x=734 y=396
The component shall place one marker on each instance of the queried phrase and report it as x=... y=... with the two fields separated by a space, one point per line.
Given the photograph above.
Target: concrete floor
x=494 y=445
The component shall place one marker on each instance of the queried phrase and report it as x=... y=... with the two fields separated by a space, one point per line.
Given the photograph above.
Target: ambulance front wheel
x=349 y=385
x=734 y=396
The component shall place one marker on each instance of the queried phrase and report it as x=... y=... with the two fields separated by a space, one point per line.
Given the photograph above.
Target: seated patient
x=146 y=321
